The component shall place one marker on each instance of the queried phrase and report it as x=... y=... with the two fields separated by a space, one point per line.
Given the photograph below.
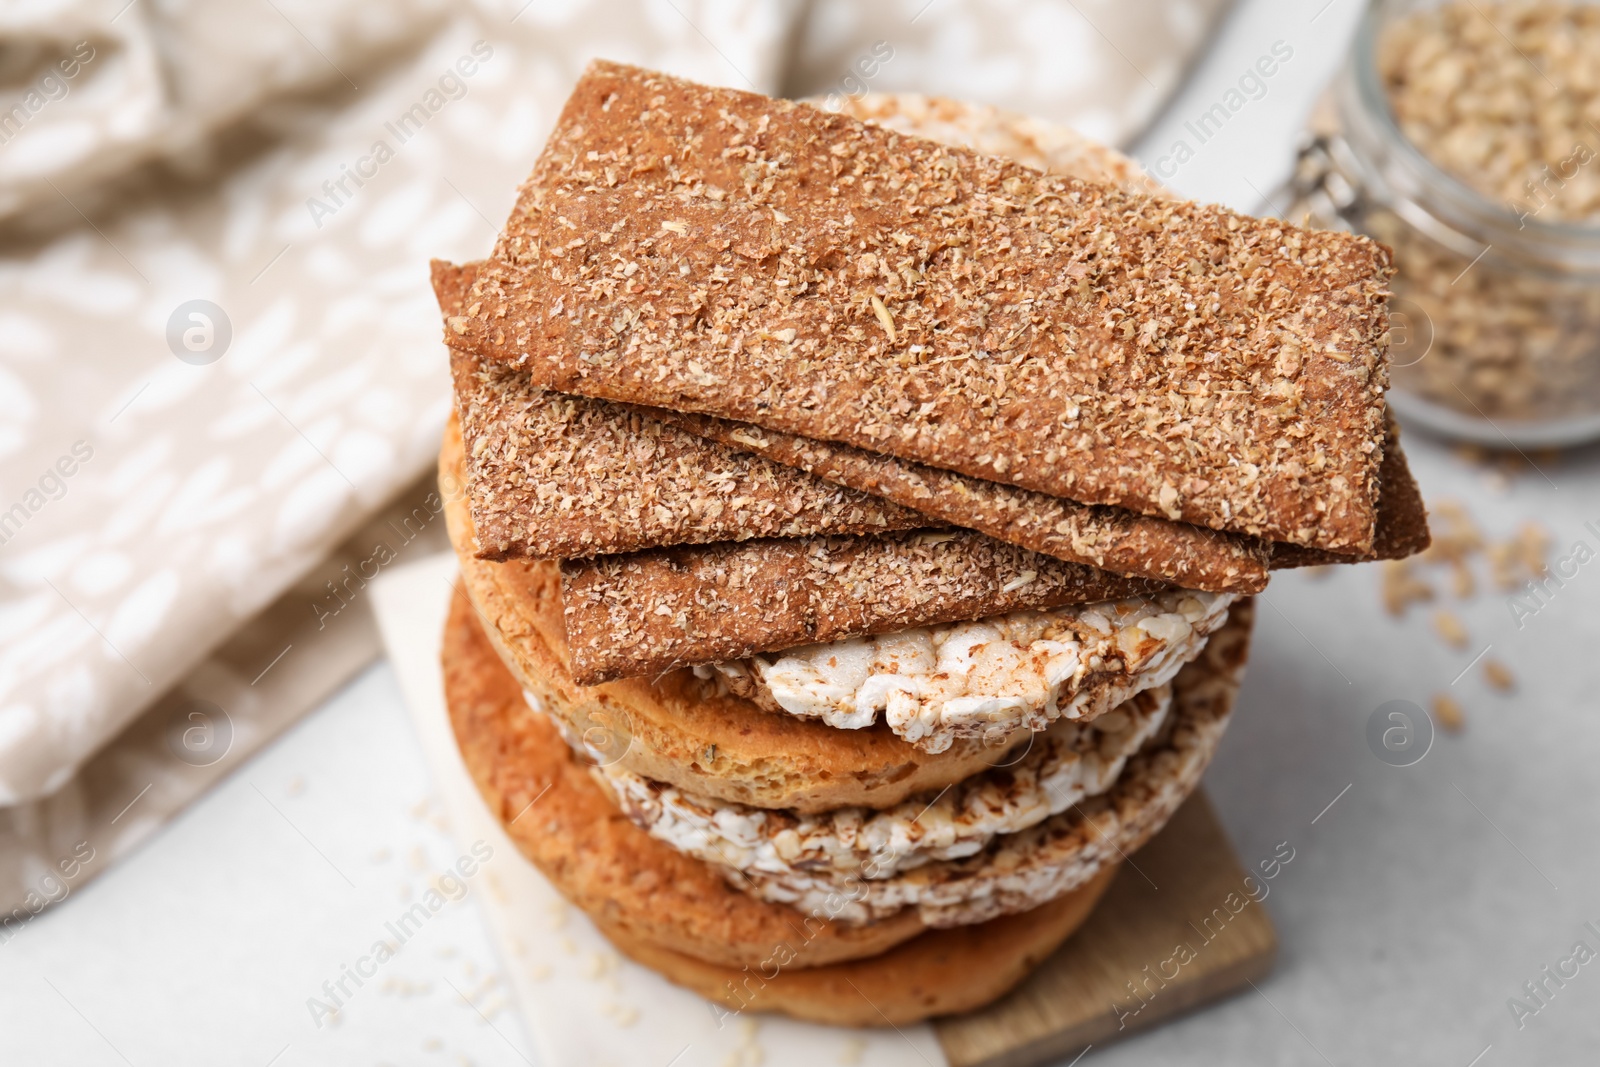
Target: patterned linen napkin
x=219 y=355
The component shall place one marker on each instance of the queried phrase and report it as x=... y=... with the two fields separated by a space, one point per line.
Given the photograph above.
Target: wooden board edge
x=1106 y=1025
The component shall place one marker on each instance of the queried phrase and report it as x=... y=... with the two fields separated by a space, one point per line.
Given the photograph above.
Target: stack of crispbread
x=858 y=516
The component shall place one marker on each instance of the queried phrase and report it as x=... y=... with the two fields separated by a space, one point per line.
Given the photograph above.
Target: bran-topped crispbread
x=641 y=613
x=672 y=607
x=715 y=251
x=535 y=518
x=1111 y=538
x=1118 y=540
x=645 y=612
x=1402 y=518
x=557 y=477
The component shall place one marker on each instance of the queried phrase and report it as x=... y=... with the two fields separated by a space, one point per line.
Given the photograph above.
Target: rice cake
x=1057 y=768
x=565 y=822
x=986 y=677
x=1021 y=870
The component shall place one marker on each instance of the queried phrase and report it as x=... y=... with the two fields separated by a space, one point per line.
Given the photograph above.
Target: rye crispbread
x=652 y=611
x=1402 y=518
x=491 y=397
x=939 y=972
x=641 y=613
x=557 y=477
x=647 y=611
x=715 y=251
x=1118 y=540
x=1114 y=539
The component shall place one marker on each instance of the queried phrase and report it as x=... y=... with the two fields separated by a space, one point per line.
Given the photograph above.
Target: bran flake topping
x=715 y=251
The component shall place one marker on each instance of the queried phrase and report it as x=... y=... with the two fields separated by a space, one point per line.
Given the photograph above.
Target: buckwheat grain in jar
x=1465 y=134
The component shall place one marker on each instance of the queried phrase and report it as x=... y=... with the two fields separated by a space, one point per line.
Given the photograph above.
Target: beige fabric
x=157 y=76
x=201 y=492
x=150 y=507
x=277 y=666
x=1100 y=66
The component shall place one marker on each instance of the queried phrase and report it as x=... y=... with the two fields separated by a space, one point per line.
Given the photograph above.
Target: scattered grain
x=1402 y=587
x=1455 y=536
x=1521 y=558
x=1533 y=545
x=1447 y=713
x=1498 y=675
x=1450 y=628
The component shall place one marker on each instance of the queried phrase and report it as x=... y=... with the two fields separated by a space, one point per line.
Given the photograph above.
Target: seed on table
x=1499 y=675
x=1447 y=713
x=1451 y=629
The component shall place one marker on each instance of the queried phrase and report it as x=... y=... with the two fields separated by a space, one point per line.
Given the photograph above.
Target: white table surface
x=1416 y=905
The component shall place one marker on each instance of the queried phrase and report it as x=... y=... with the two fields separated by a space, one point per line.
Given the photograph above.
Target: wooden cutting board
x=1176 y=929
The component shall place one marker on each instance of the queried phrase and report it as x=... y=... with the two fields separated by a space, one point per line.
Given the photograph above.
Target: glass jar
x=1496 y=309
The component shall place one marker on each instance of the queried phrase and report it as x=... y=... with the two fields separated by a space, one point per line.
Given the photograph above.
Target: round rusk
x=941 y=972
